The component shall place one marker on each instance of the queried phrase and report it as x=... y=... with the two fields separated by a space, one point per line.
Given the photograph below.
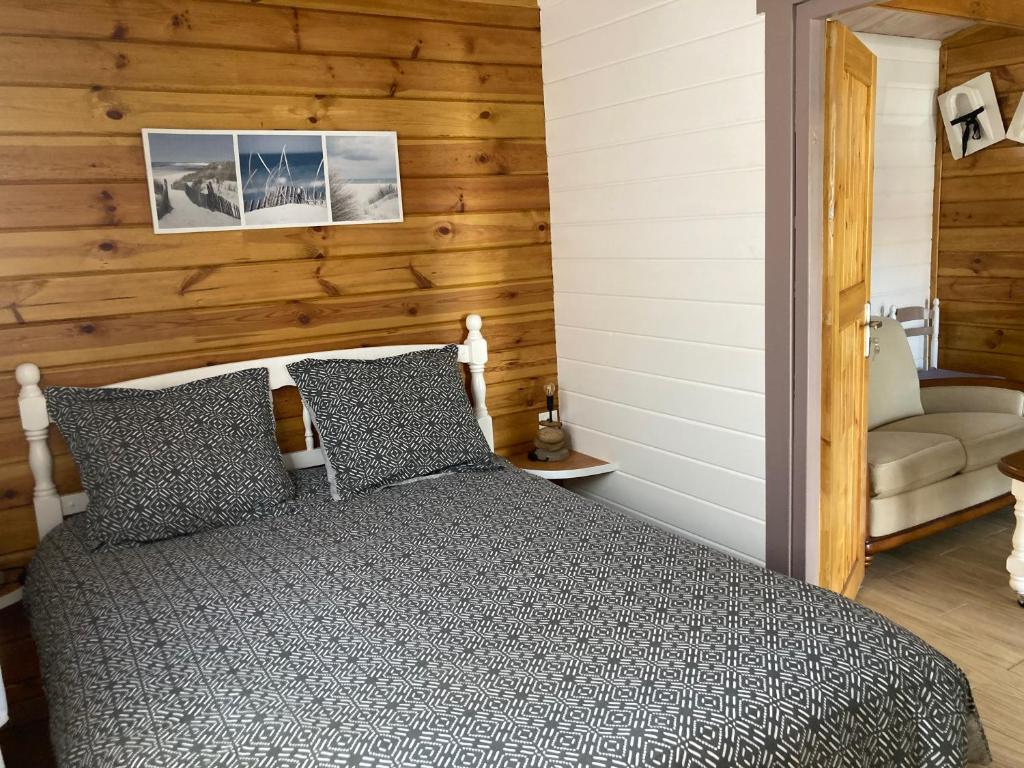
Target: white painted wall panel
x=656 y=159
x=727 y=325
x=726 y=237
x=908 y=81
x=731 y=409
x=705 y=280
x=673 y=69
x=733 y=490
x=727 y=449
x=733 y=147
x=708 y=523
x=731 y=367
x=708 y=107
x=662 y=26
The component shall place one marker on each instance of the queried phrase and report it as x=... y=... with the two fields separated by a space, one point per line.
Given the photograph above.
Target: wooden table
x=1013 y=467
x=575 y=465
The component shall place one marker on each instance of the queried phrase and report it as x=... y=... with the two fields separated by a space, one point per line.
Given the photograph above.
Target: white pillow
x=894 y=390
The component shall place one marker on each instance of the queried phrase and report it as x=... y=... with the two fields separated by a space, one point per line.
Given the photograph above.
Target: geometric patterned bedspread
x=481 y=619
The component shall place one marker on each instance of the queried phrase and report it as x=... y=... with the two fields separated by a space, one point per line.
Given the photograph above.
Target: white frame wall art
x=1016 y=130
x=209 y=181
x=976 y=100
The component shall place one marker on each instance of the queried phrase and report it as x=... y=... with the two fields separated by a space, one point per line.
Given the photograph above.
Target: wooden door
x=849 y=175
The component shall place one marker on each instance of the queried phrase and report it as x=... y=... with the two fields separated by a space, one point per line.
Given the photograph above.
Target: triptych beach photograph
x=201 y=181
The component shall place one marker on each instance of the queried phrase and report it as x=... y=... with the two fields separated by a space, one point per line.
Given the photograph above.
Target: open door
x=846 y=266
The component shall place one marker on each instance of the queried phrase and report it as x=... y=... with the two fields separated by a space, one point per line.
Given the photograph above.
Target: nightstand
x=574 y=466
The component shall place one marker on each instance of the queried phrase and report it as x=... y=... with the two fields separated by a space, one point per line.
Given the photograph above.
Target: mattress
x=481 y=619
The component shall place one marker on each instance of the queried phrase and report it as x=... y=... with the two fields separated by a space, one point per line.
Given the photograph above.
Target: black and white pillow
x=162 y=463
x=393 y=419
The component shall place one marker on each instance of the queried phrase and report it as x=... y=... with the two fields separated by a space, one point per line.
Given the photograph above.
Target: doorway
x=795 y=34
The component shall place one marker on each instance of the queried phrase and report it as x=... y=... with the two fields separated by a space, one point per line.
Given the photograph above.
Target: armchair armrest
x=992 y=396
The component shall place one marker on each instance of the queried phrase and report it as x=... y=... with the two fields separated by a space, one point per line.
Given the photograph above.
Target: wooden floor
x=951 y=589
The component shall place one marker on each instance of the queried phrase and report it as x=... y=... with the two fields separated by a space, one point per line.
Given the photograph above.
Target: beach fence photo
x=284 y=179
x=193 y=180
x=207 y=180
x=363 y=177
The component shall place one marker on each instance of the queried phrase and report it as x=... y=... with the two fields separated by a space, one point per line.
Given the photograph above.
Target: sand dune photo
x=193 y=181
x=283 y=179
x=364 y=178
x=201 y=181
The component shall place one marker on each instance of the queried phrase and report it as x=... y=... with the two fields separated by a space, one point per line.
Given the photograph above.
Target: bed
x=474 y=618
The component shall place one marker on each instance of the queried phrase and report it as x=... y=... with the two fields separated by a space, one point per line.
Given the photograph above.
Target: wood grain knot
x=108 y=246
x=444 y=230
x=115 y=114
x=87 y=328
x=120 y=31
x=181 y=21
x=303 y=319
x=485 y=115
x=121 y=61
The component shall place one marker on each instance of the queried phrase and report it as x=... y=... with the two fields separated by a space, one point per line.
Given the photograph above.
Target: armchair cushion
x=894 y=391
x=986 y=437
x=968 y=399
x=903 y=461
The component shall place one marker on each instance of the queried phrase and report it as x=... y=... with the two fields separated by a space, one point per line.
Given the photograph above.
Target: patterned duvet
x=480 y=619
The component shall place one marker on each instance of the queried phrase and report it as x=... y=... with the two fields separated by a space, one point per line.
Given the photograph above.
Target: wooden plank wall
x=92 y=296
x=979 y=262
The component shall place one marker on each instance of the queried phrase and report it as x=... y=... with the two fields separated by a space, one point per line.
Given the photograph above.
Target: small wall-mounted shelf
x=574 y=466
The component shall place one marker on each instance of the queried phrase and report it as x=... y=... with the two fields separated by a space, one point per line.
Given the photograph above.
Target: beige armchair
x=933 y=451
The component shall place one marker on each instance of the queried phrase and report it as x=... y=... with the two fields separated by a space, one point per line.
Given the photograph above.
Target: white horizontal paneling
x=890 y=229
x=562 y=19
x=912 y=154
x=908 y=80
x=738 y=492
x=732 y=237
x=891 y=49
x=686 y=361
x=709 y=523
x=907 y=181
x=660 y=27
x=899 y=104
x=732 y=409
x=728 y=325
x=724 y=448
x=733 y=147
x=713 y=194
x=701 y=280
x=695 y=63
x=709 y=107
x=655 y=138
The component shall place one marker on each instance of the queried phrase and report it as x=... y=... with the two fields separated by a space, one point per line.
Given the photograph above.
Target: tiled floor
x=951 y=589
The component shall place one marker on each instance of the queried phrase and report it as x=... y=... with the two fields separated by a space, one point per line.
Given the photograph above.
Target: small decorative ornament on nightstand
x=551 y=443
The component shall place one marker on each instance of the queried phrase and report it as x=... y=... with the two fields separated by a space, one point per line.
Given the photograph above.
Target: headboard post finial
x=477 y=346
x=35 y=422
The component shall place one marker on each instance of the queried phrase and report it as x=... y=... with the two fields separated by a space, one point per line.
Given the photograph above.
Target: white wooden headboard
x=51 y=508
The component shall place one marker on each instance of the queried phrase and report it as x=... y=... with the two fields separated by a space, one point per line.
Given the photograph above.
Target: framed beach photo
x=203 y=181
x=193 y=180
x=363 y=177
x=284 y=179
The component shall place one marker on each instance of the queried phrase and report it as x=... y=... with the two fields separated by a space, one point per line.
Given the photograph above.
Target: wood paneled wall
x=89 y=293
x=979 y=262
